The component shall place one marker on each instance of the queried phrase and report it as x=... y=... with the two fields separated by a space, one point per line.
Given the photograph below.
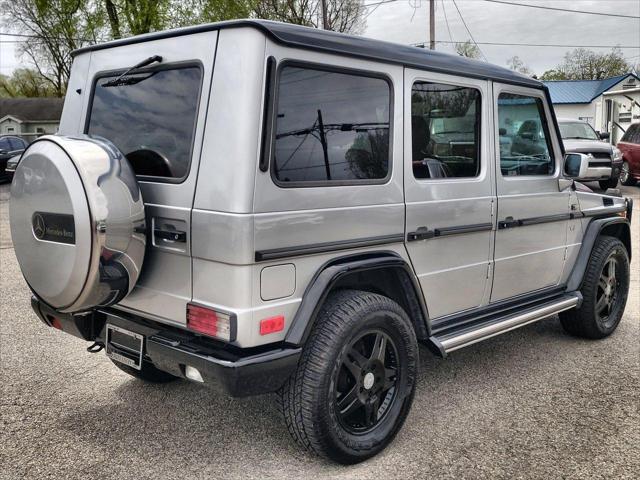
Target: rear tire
x=611 y=183
x=356 y=378
x=625 y=175
x=605 y=288
x=149 y=373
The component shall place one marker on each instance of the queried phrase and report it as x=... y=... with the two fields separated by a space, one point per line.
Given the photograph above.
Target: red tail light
x=271 y=325
x=209 y=322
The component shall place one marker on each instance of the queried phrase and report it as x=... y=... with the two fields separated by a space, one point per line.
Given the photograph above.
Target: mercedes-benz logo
x=39 y=228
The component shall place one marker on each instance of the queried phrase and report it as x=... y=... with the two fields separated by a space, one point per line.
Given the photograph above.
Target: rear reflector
x=209 y=322
x=55 y=323
x=271 y=325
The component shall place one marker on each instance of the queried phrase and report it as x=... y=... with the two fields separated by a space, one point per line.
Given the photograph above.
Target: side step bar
x=455 y=339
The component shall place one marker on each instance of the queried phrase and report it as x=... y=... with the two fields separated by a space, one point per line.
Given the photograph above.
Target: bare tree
x=516 y=64
x=468 y=49
x=52 y=29
x=342 y=15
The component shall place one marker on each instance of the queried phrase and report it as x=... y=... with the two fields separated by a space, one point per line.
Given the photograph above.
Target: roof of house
x=39 y=109
x=581 y=91
x=337 y=43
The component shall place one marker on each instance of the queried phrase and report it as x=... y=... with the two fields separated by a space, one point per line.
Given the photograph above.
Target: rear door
x=533 y=213
x=448 y=189
x=156 y=117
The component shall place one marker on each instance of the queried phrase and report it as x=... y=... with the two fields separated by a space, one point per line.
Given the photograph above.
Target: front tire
x=611 y=183
x=625 y=175
x=604 y=289
x=356 y=378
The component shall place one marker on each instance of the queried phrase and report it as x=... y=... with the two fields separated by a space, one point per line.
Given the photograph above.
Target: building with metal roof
x=609 y=105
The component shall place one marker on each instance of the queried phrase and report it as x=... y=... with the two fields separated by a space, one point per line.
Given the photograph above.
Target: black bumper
x=239 y=372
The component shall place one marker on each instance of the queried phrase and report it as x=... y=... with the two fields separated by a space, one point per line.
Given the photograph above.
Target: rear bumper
x=238 y=372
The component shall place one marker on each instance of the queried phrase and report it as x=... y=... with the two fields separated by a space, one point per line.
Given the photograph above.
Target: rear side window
x=150 y=117
x=524 y=136
x=331 y=128
x=445 y=130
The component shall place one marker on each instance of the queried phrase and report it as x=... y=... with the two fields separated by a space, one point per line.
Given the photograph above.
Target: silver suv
x=263 y=207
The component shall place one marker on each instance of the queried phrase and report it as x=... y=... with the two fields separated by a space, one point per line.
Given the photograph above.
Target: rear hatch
x=156 y=117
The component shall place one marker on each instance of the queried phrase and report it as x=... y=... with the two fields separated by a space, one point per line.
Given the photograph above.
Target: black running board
x=453 y=339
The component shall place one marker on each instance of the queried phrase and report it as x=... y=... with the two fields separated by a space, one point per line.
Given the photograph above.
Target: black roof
x=338 y=43
x=43 y=109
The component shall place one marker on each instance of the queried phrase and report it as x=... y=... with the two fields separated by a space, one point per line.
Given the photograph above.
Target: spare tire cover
x=77 y=222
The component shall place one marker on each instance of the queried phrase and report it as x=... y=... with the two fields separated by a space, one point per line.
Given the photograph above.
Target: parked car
x=10 y=146
x=262 y=207
x=605 y=160
x=629 y=145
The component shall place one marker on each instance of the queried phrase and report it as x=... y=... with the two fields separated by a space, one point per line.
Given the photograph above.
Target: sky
x=407 y=21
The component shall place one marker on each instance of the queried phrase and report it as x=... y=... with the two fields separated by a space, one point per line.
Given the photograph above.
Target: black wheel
x=625 y=175
x=356 y=379
x=604 y=289
x=611 y=183
x=149 y=373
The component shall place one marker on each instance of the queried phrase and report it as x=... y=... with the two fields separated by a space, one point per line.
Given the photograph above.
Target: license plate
x=124 y=346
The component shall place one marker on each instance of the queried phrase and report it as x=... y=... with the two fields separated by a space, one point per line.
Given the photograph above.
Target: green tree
x=468 y=49
x=584 y=64
x=25 y=82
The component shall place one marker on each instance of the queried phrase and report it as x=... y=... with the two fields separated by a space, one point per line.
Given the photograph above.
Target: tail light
x=211 y=322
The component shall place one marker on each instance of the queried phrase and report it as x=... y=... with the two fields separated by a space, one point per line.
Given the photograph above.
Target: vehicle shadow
x=185 y=426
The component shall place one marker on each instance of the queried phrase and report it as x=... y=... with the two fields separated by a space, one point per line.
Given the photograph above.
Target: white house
x=609 y=105
x=30 y=117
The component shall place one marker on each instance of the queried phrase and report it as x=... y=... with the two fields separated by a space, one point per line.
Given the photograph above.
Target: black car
x=10 y=147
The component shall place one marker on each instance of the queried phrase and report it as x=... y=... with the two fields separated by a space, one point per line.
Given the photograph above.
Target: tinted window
x=524 y=138
x=4 y=144
x=151 y=119
x=577 y=130
x=17 y=143
x=331 y=127
x=445 y=130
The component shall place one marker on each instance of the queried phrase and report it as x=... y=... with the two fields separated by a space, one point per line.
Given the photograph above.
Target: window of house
x=331 y=127
x=524 y=137
x=151 y=117
x=39 y=130
x=445 y=130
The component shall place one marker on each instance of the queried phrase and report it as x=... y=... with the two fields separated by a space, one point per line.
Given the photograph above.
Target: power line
x=537 y=45
x=444 y=10
x=469 y=31
x=563 y=9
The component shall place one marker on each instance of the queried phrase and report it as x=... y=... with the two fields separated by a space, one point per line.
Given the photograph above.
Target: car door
x=448 y=189
x=532 y=212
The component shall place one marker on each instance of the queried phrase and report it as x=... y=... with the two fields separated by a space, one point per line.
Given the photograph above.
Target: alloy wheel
x=607 y=291
x=624 y=173
x=366 y=386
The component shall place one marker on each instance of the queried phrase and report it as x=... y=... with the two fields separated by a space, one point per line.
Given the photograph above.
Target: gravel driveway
x=533 y=403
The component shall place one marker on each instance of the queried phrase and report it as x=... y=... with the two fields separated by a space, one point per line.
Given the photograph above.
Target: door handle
x=508 y=222
x=172 y=235
x=421 y=233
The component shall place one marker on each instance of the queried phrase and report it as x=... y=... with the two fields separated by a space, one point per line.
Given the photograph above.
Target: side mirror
x=604 y=135
x=576 y=165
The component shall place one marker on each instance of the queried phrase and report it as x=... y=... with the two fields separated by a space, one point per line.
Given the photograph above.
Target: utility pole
x=325 y=20
x=323 y=142
x=432 y=24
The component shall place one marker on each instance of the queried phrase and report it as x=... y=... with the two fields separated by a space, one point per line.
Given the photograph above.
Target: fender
x=341 y=268
x=594 y=229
